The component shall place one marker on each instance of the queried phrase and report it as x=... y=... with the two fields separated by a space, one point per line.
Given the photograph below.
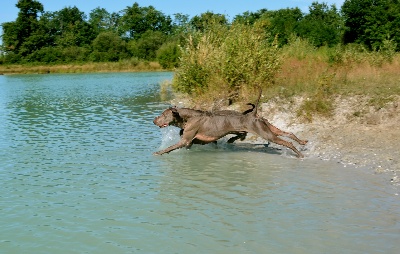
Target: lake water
x=78 y=176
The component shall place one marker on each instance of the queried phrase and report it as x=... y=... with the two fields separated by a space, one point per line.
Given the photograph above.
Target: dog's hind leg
x=262 y=129
x=240 y=136
x=282 y=142
x=279 y=132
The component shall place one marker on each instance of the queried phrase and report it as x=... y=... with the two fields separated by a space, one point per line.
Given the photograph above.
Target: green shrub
x=97 y=56
x=12 y=58
x=321 y=102
x=75 y=54
x=147 y=45
x=168 y=55
x=298 y=47
x=108 y=46
x=352 y=53
x=45 y=55
x=231 y=60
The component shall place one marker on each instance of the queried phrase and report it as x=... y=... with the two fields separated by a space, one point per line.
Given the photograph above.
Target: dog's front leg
x=178 y=145
x=188 y=135
x=186 y=140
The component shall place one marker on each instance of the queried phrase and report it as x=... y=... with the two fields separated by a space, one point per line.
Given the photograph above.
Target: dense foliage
x=144 y=33
x=371 y=22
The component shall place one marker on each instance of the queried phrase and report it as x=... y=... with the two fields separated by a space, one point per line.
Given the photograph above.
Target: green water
x=78 y=176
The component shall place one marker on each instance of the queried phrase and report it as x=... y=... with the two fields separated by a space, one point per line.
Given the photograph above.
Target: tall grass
x=322 y=74
x=351 y=68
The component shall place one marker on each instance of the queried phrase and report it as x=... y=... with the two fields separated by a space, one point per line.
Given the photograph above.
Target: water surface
x=78 y=176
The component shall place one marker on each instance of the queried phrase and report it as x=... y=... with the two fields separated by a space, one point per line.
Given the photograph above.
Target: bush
x=298 y=47
x=168 y=55
x=75 y=54
x=108 y=46
x=351 y=54
x=231 y=60
x=12 y=58
x=147 y=45
x=45 y=55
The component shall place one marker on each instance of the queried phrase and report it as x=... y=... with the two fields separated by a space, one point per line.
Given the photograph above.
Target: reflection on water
x=78 y=176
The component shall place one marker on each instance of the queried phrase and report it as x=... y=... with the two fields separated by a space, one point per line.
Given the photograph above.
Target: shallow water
x=78 y=176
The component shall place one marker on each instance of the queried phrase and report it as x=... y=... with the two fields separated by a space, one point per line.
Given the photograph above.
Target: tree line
x=146 y=34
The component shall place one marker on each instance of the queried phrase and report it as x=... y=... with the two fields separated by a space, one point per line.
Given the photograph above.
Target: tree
x=181 y=20
x=371 y=22
x=322 y=25
x=147 y=45
x=136 y=20
x=207 y=19
x=72 y=28
x=168 y=55
x=284 y=23
x=249 y=18
x=101 y=20
x=355 y=13
x=108 y=46
x=16 y=33
x=180 y=24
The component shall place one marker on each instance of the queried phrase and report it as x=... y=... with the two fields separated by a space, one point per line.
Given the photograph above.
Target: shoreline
x=367 y=140
x=93 y=67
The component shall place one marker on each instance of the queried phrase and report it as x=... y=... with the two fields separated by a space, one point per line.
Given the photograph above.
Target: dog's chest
x=205 y=138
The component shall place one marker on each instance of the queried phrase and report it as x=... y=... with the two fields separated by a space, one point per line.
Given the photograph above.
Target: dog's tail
x=249 y=110
x=254 y=113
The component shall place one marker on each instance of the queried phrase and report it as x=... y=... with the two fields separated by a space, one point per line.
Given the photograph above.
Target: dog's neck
x=186 y=113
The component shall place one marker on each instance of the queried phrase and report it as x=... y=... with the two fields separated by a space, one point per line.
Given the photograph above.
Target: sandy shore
x=369 y=139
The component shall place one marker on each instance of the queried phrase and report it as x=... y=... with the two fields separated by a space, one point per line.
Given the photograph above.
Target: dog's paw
x=304 y=142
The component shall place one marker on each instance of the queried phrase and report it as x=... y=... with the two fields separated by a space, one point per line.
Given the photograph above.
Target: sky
x=231 y=8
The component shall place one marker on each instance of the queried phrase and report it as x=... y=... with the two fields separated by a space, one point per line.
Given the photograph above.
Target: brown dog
x=204 y=127
x=180 y=122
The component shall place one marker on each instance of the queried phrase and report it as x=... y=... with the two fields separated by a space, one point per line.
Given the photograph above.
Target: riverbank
x=357 y=133
x=122 y=66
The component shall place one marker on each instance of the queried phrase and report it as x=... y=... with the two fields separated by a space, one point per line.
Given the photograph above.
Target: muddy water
x=78 y=176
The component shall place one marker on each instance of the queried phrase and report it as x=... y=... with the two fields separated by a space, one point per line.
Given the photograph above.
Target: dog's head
x=170 y=116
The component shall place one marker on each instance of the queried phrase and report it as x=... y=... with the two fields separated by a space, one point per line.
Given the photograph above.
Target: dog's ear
x=174 y=110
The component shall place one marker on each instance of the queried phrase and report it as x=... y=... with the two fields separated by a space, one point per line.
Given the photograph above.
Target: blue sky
x=8 y=11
